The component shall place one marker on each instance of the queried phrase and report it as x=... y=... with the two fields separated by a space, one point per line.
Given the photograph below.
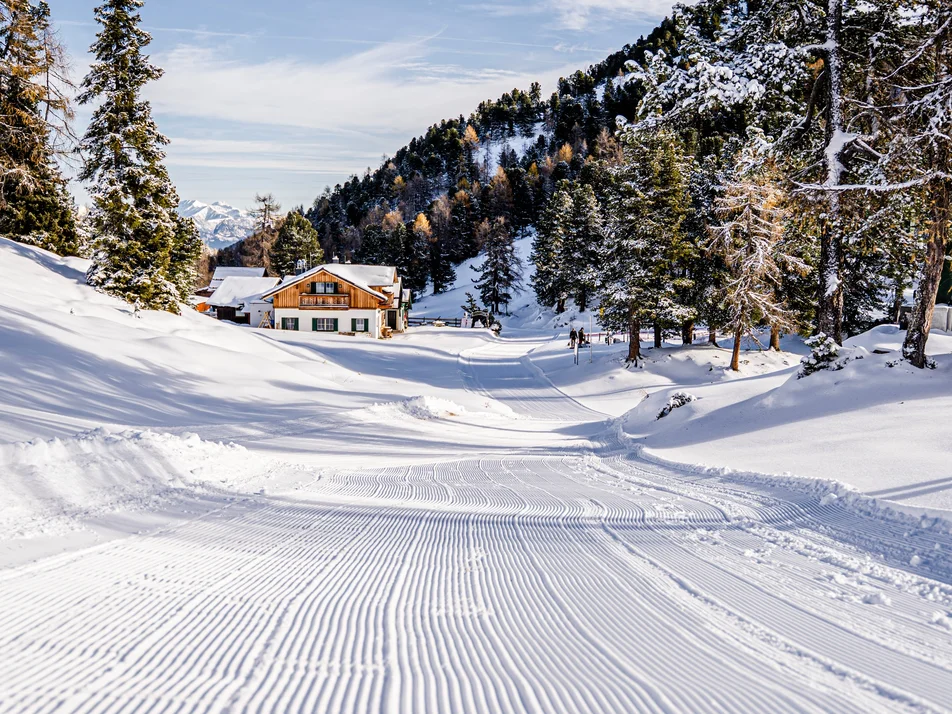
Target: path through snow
x=567 y=581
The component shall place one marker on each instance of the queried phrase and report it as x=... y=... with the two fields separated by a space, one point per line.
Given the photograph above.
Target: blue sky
x=288 y=97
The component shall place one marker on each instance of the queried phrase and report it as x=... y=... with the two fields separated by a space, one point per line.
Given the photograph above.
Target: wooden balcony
x=327 y=301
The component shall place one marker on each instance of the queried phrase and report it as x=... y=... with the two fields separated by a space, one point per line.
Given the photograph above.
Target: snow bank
x=50 y=485
x=419 y=408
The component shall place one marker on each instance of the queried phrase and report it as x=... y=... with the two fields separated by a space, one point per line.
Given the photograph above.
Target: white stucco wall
x=256 y=311
x=343 y=318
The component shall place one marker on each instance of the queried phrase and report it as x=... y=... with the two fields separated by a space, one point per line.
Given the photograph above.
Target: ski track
x=585 y=582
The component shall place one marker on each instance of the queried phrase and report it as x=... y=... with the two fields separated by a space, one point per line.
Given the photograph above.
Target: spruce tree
x=297 y=240
x=552 y=279
x=142 y=249
x=580 y=249
x=645 y=238
x=499 y=274
x=34 y=124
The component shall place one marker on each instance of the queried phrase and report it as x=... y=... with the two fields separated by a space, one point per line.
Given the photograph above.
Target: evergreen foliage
x=143 y=253
x=34 y=124
x=501 y=269
x=297 y=241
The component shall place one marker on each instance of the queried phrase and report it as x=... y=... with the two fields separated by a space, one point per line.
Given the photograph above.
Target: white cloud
x=389 y=89
x=580 y=15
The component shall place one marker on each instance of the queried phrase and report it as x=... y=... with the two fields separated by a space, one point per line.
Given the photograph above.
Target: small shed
x=238 y=299
x=224 y=272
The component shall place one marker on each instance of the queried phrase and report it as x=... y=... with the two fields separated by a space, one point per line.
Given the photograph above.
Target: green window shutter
x=314 y=324
x=335 y=325
x=353 y=324
x=312 y=288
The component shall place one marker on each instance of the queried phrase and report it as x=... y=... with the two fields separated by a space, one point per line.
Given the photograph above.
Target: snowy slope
x=219 y=224
x=444 y=522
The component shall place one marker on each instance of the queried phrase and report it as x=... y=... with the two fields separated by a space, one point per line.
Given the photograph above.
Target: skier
x=573 y=338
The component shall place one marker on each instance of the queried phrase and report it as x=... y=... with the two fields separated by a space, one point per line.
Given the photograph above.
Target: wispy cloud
x=579 y=15
x=386 y=89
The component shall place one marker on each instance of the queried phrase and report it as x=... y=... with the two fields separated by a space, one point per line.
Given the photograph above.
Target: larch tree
x=142 y=246
x=750 y=238
x=265 y=211
x=35 y=116
x=924 y=151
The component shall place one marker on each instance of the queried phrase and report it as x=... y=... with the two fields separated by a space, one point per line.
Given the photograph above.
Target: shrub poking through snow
x=678 y=399
x=824 y=354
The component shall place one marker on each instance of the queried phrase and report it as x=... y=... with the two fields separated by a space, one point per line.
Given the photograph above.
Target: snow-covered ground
x=202 y=517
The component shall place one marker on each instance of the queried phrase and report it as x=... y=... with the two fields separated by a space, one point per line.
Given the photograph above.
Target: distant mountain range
x=219 y=224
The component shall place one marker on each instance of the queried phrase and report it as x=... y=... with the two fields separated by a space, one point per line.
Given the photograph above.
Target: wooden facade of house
x=342 y=298
x=312 y=294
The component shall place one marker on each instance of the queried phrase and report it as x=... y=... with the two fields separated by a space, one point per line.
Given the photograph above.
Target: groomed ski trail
x=585 y=582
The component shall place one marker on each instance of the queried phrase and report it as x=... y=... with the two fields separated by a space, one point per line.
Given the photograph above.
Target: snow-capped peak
x=218 y=223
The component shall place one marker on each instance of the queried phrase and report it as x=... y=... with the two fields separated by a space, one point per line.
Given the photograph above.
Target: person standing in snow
x=581 y=336
x=573 y=337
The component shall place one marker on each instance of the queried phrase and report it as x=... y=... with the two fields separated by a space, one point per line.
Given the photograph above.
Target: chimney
x=335 y=260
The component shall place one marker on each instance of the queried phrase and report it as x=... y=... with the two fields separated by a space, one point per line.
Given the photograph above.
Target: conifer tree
x=139 y=237
x=34 y=126
x=923 y=150
x=645 y=237
x=297 y=240
x=551 y=281
x=499 y=274
x=750 y=240
x=580 y=248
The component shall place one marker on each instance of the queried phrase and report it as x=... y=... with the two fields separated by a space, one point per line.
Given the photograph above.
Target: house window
x=360 y=324
x=324 y=324
x=323 y=288
x=289 y=323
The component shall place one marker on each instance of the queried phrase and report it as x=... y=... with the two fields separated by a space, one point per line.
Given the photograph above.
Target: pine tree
x=471 y=307
x=297 y=240
x=139 y=239
x=34 y=125
x=499 y=274
x=645 y=237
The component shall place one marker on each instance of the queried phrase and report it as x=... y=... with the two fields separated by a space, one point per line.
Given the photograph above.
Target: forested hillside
x=436 y=201
x=781 y=165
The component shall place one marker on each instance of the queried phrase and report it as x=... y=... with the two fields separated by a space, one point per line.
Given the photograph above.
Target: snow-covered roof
x=233 y=272
x=365 y=277
x=237 y=291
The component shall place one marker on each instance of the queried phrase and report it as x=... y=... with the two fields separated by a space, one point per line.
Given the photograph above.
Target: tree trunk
x=582 y=300
x=830 y=307
x=712 y=335
x=735 y=358
x=658 y=336
x=897 y=301
x=560 y=306
x=920 y=320
x=634 y=340
x=687 y=332
x=775 y=338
